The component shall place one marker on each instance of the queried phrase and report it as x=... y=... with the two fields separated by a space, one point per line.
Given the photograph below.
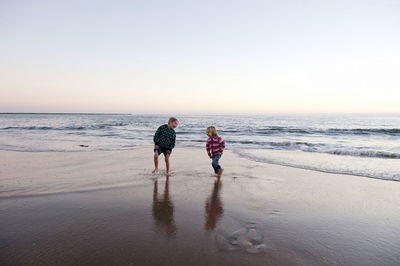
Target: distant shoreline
x=205 y=114
x=16 y=113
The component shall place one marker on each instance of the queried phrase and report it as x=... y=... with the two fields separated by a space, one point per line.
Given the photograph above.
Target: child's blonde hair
x=213 y=131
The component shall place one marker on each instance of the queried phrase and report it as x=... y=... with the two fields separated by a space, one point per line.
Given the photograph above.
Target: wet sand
x=107 y=208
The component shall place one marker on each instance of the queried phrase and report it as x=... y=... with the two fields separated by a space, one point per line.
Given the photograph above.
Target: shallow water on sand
x=192 y=220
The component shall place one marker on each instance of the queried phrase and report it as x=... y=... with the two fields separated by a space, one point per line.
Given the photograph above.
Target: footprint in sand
x=247 y=238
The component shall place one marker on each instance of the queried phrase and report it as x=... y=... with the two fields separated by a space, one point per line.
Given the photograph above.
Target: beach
x=300 y=98
x=105 y=207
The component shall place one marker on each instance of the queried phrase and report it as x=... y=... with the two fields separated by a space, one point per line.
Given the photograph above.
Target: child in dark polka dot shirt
x=164 y=142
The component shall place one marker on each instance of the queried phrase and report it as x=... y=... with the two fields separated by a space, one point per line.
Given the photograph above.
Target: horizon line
x=214 y=114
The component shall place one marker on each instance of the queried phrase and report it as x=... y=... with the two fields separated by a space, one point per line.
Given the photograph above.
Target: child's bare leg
x=167 y=164
x=155 y=162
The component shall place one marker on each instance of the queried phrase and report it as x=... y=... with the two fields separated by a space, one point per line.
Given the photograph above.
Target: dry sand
x=107 y=208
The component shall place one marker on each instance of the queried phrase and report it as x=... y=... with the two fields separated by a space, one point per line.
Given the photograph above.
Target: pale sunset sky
x=200 y=56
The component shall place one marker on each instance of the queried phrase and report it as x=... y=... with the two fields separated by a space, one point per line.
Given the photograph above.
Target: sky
x=200 y=56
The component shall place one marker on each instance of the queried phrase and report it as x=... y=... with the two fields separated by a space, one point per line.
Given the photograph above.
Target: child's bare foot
x=220 y=172
x=168 y=174
x=155 y=171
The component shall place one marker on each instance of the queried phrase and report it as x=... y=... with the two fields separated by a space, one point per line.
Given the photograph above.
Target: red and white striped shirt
x=215 y=145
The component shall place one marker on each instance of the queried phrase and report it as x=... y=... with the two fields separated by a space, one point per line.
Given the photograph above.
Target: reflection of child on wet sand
x=213 y=206
x=163 y=209
x=164 y=142
x=215 y=147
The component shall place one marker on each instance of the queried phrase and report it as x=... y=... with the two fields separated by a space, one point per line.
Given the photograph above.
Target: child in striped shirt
x=215 y=147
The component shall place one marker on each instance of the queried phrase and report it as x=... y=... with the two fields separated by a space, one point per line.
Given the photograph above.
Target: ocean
x=363 y=145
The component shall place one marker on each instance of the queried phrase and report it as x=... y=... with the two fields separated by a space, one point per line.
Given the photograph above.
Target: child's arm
x=221 y=145
x=208 y=148
x=156 y=137
x=173 y=142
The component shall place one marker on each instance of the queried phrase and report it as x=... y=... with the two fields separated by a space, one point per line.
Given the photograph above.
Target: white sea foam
x=387 y=169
